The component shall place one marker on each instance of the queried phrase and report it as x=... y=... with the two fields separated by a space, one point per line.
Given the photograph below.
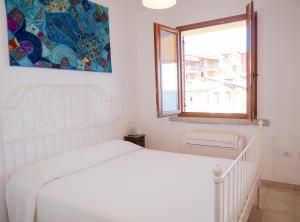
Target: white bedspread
x=23 y=188
x=115 y=182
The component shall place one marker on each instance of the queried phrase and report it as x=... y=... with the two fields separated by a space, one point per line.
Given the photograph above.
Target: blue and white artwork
x=60 y=34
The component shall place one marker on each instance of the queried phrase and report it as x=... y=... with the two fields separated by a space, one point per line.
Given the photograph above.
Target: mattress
x=137 y=186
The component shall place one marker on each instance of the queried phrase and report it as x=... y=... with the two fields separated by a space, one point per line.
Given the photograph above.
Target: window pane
x=169 y=71
x=215 y=69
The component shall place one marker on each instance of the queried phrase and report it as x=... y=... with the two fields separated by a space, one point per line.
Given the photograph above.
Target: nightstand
x=138 y=139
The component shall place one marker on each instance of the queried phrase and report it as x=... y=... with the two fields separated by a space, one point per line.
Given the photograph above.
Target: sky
x=216 y=42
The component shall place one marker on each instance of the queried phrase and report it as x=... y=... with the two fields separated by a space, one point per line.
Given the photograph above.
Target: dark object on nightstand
x=138 y=139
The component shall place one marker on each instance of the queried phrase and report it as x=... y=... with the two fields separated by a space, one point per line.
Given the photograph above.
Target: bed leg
x=258 y=197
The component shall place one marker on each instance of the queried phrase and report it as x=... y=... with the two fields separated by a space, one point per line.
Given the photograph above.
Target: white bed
x=60 y=167
x=129 y=184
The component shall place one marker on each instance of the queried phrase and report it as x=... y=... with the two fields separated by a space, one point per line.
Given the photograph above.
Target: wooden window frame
x=157 y=30
x=251 y=66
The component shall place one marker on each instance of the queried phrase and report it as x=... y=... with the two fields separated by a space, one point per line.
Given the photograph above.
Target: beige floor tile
x=297 y=210
x=255 y=215
x=265 y=183
x=297 y=187
x=297 y=219
x=270 y=216
x=263 y=190
x=281 y=194
x=279 y=206
x=297 y=197
x=262 y=201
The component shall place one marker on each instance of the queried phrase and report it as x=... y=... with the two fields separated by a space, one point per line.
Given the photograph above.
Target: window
x=168 y=70
x=228 y=96
x=208 y=69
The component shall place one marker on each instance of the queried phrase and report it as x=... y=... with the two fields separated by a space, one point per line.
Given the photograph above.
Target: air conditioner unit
x=220 y=145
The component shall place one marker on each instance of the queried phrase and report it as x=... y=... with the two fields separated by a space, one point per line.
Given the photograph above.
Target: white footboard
x=234 y=188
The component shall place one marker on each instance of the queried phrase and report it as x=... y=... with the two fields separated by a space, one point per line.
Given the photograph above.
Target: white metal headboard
x=42 y=121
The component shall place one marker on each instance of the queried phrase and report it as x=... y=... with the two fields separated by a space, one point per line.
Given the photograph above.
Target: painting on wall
x=60 y=34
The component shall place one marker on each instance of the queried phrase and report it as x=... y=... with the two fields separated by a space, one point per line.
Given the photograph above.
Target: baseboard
x=280 y=184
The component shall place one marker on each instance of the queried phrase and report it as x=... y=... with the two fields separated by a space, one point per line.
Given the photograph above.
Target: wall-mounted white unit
x=214 y=144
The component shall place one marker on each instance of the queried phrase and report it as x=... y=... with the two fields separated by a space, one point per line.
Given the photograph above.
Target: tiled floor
x=277 y=205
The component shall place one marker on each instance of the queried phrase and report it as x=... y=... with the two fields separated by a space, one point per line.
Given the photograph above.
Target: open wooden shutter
x=167 y=70
x=251 y=60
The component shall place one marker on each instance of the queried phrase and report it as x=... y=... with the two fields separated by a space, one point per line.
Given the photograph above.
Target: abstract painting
x=60 y=34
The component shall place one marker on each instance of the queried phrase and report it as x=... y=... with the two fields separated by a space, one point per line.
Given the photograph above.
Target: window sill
x=224 y=121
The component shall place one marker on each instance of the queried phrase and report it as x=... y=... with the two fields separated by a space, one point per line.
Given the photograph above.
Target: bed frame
x=42 y=121
x=236 y=188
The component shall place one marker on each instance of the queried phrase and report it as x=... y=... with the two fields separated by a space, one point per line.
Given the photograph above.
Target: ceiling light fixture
x=159 y=4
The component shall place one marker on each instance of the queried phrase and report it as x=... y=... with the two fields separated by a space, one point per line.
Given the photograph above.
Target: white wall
x=278 y=86
x=133 y=78
x=119 y=84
